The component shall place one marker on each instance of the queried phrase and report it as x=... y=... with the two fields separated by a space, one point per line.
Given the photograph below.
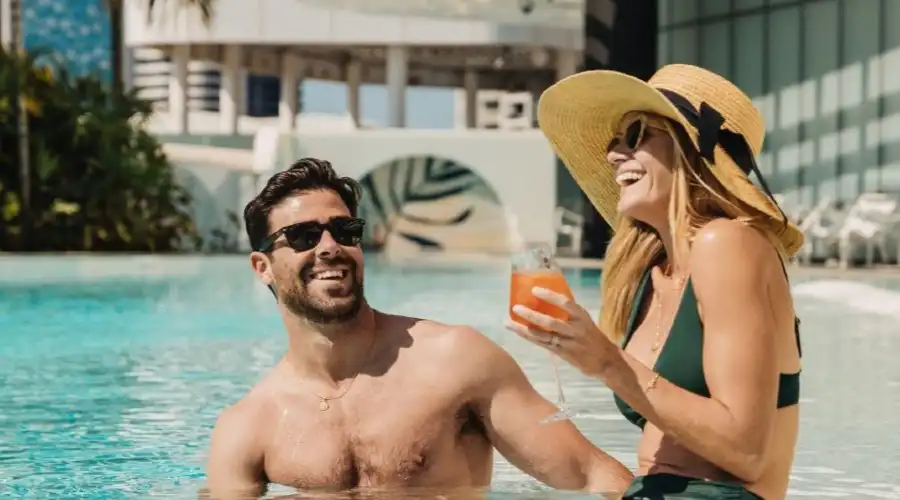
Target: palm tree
x=16 y=39
x=16 y=43
x=115 y=9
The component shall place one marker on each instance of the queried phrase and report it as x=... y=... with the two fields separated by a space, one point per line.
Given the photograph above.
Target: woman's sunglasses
x=632 y=134
x=303 y=236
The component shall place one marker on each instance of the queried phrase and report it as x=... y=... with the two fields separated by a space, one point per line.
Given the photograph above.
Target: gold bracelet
x=652 y=383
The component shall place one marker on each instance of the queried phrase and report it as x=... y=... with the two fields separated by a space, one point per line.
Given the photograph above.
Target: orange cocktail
x=520 y=293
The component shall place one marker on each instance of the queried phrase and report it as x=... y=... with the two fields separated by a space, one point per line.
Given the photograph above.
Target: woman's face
x=642 y=155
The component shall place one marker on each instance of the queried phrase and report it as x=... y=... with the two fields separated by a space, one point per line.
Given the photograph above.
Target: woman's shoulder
x=731 y=236
x=725 y=244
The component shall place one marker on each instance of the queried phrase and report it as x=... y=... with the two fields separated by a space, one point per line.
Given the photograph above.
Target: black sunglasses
x=303 y=236
x=631 y=135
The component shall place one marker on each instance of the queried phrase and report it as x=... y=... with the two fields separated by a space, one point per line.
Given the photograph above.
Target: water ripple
x=111 y=386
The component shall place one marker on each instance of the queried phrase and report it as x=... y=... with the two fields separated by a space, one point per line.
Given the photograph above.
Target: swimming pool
x=114 y=369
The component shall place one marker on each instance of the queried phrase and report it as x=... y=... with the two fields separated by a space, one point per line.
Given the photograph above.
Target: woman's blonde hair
x=697 y=198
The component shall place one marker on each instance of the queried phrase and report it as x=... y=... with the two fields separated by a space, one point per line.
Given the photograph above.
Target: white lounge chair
x=872 y=224
x=571 y=225
x=821 y=228
x=795 y=212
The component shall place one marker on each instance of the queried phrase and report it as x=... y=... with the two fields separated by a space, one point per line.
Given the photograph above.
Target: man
x=367 y=399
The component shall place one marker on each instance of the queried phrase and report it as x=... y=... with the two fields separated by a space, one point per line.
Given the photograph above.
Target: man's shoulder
x=456 y=345
x=240 y=413
x=450 y=339
x=239 y=428
x=250 y=409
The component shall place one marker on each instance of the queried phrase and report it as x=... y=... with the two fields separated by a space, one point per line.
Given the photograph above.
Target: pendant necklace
x=324 y=404
x=657 y=343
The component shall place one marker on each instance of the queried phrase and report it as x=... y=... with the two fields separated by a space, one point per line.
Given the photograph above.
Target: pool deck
x=821 y=271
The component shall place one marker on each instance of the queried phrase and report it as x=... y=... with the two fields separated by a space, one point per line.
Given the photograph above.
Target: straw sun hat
x=581 y=114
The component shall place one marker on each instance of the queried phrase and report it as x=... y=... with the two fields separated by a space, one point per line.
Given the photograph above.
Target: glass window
x=715 y=40
x=664 y=13
x=858 y=82
x=684 y=11
x=663 y=48
x=749 y=56
x=889 y=131
x=714 y=7
x=684 y=45
x=742 y=5
x=783 y=60
x=821 y=55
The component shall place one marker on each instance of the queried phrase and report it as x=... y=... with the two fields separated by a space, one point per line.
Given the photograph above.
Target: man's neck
x=330 y=353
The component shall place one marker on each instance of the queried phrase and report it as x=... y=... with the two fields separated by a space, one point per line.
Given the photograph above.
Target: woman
x=697 y=336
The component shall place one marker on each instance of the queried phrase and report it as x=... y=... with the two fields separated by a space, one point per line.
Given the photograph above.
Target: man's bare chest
x=387 y=447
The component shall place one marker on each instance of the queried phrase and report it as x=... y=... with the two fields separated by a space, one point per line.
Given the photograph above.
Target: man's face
x=323 y=284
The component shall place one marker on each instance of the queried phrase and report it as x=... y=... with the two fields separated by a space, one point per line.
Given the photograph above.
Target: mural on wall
x=427 y=203
x=76 y=29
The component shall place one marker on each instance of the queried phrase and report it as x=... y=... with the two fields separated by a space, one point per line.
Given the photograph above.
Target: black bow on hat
x=709 y=124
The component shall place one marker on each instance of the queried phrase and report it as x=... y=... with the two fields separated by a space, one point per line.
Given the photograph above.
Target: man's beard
x=320 y=308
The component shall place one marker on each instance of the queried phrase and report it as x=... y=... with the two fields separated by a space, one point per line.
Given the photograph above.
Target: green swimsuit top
x=681 y=359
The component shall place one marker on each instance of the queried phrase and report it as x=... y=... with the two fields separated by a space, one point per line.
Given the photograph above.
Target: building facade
x=150 y=76
x=620 y=35
x=79 y=30
x=821 y=72
x=496 y=110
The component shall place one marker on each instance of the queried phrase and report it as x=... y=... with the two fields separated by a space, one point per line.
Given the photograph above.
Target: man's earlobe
x=261 y=267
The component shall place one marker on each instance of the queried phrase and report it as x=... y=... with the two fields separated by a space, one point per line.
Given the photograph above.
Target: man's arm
x=556 y=454
x=235 y=468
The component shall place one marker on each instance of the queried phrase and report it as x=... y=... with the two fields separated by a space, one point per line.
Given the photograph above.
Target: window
x=783 y=60
x=859 y=90
x=684 y=45
x=748 y=50
x=709 y=8
x=684 y=11
x=821 y=54
x=715 y=49
x=742 y=5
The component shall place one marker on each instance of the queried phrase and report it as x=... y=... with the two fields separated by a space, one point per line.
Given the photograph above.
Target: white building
x=150 y=72
x=523 y=51
x=499 y=54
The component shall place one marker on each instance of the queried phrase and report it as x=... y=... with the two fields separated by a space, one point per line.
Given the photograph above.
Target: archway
x=429 y=203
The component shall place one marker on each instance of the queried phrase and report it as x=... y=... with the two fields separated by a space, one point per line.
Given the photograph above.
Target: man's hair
x=307 y=174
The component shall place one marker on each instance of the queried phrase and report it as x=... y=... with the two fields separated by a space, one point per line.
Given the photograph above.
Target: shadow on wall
x=426 y=203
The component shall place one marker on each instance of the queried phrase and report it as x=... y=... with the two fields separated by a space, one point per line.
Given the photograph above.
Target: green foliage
x=99 y=180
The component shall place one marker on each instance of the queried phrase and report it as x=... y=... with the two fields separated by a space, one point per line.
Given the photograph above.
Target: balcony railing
x=541 y=12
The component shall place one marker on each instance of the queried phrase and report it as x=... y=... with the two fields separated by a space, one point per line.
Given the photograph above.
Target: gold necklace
x=657 y=343
x=323 y=400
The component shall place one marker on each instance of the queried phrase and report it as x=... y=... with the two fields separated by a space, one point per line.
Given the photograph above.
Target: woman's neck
x=674 y=264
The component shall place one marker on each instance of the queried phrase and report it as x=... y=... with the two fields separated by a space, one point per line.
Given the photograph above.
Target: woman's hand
x=578 y=341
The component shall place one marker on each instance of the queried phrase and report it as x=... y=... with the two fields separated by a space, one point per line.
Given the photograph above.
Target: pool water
x=114 y=369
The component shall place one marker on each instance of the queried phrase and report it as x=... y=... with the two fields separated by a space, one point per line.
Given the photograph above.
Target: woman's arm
x=730 y=264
